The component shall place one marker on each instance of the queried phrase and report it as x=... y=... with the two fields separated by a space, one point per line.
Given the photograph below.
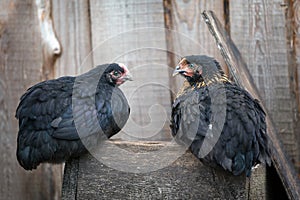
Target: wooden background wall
x=266 y=32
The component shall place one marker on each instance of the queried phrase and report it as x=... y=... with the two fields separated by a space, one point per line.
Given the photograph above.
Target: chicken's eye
x=191 y=66
x=116 y=73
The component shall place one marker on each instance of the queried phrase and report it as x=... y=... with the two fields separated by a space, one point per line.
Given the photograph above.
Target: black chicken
x=49 y=111
x=220 y=122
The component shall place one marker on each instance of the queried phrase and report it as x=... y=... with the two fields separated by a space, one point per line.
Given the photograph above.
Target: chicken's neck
x=207 y=79
x=195 y=79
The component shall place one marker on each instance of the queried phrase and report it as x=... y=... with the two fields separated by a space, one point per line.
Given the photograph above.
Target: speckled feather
x=47 y=132
x=243 y=142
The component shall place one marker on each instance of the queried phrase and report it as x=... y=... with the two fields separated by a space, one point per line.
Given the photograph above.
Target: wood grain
x=74 y=33
x=70 y=183
x=258 y=28
x=296 y=31
x=50 y=44
x=20 y=67
x=294 y=9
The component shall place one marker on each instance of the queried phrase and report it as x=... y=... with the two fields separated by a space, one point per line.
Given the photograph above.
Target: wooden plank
x=294 y=19
x=51 y=47
x=186 y=21
x=258 y=28
x=186 y=178
x=296 y=38
x=70 y=182
x=74 y=33
x=131 y=32
x=242 y=76
x=188 y=34
x=21 y=62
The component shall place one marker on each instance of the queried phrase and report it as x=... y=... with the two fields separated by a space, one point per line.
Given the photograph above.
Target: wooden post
x=186 y=178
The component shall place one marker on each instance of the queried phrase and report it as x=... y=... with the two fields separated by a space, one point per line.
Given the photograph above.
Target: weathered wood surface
x=238 y=68
x=72 y=23
x=51 y=48
x=294 y=10
x=70 y=185
x=131 y=32
x=258 y=28
x=186 y=178
x=21 y=65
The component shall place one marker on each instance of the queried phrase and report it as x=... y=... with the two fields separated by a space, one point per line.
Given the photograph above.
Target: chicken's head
x=117 y=73
x=187 y=68
x=198 y=68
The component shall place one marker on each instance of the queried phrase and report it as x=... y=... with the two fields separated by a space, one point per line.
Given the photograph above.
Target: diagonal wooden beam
x=238 y=69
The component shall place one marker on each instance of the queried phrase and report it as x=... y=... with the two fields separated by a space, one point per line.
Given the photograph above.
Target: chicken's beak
x=177 y=71
x=127 y=77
